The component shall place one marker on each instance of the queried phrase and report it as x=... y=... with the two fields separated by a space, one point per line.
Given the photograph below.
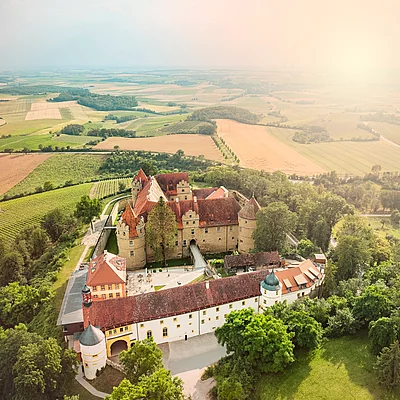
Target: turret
x=137 y=185
x=86 y=297
x=247 y=225
x=271 y=290
x=93 y=351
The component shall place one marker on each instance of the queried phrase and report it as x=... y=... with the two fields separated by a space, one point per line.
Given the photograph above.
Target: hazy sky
x=340 y=34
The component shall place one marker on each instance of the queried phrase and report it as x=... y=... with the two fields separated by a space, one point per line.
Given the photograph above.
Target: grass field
x=383 y=229
x=192 y=145
x=16 y=167
x=32 y=142
x=341 y=369
x=344 y=157
x=108 y=187
x=185 y=126
x=18 y=214
x=60 y=168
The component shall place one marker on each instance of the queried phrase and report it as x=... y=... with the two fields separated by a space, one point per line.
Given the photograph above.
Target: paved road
x=389 y=141
x=79 y=377
x=199 y=262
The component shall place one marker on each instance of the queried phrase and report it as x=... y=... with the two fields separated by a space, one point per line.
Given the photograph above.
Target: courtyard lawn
x=108 y=379
x=341 y=369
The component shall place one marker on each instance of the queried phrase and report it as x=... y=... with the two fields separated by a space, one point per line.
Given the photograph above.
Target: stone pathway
x=79 y=377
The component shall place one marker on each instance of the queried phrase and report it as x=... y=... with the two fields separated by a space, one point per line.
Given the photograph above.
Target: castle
x=215 y=219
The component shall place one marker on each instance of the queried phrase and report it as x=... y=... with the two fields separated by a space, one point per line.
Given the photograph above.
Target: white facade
x=93 y=358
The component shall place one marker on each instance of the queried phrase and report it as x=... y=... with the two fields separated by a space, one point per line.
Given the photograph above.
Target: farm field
x=346 y=361
x=109 y=187
x=151 y=126
x=389 y=131
x=46 y=110
x=16 y=167
x=344 y=157
x=58 y=169
x=257 y=149
x=14 y=216
x=191 y=144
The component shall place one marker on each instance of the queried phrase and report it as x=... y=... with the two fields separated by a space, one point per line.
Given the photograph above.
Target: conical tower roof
x=271 y=282
x=249 y=211
x=91 y=336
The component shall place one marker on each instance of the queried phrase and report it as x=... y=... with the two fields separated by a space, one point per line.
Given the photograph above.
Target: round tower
x=271 y=290
x=93 y=351
x=247 y=225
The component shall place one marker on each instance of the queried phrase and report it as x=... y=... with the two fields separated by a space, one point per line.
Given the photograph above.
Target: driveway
x=188 y=359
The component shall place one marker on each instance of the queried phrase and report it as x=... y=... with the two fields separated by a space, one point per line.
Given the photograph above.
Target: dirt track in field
x=14 y=168
x=257 y=149
x=192 y=145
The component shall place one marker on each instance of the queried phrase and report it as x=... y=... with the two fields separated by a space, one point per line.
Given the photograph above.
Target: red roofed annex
x=210 y=217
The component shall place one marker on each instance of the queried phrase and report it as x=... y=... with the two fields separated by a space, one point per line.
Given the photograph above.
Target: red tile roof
x=168 y=182
x=249 y=211
x=175 y=301
x=220 y=193
x=106 y=269
x=203 y=193
x=141 y=176
x=129 y=218
x=215 y=212
x=185 y=299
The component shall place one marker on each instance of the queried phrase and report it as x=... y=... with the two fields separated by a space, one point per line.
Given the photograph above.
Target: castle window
x=115 y=331
x=126 y=328
x=302 y=293
x=131 y=243
x=276 y=301
x=190 y=216
x=298 y=295
x=190 y=316
x=204 y=312
x=142 y=325
x=219 y=238
x=217 y=317
x=103 y=288
x=103 y=296
x=217 y=309
x=109 y=287
x=118 y=294
x=187 y=222
x=230 y=305
x=205 y=230
x=110 y=295
x=95 y=296
x=265 y=301
x=245 y=222
x=183 y=190
x=194 y=222
x=185 y=197
x=176 y=243
x=178 y=326
x=123 y=233
x=255 y=300
x=117 y=286
x=121 y=329
x=161 y=322
x=94 y=288
x=218 y=229
x=233 y=238
x=243 y=303
x=192 y=231
x=202 y=321
x=184 y=243
x=231 y=228
x=149 y=334
x=175 y=319
x=131 y=253
x=165 y=332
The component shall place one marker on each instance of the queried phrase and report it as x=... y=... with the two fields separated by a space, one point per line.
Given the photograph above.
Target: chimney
x=207 y=285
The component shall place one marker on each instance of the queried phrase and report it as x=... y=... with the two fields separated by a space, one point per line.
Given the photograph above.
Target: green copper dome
x=91 y=336
x=271 y=282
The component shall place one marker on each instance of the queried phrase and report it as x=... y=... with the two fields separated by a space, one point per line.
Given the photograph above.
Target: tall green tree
x=42 y=369
x=262 y=340
x=273 y=222
x=161 y=228
x=11 y=268
x=305 y=248
x=144 y=358
x=87 y=209
x=388 y=366
x=383 y=332
x=56 y=223
x=158 y=386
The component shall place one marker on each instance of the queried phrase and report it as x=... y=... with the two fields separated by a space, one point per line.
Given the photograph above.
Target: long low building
x=195 y=309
